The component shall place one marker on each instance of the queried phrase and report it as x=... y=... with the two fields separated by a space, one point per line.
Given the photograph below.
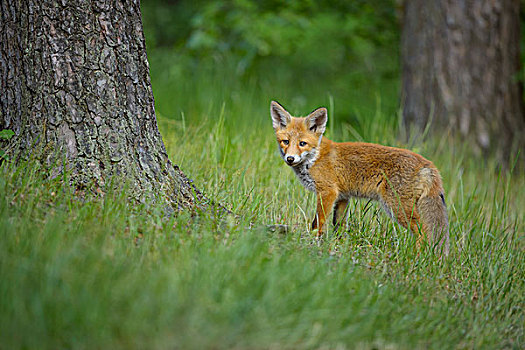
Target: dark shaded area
x=461 y=62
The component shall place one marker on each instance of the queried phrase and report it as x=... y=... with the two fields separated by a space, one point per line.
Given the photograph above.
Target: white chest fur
x=303 y=173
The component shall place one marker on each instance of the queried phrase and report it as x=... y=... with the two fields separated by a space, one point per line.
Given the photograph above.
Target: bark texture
x=75 y=86
x=461 y=62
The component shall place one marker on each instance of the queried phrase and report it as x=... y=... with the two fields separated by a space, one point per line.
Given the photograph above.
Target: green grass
x=103 y=273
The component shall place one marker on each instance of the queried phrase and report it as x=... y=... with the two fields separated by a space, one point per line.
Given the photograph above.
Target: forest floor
x=103 y=273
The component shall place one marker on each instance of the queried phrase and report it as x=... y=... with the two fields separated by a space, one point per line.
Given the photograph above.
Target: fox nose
x=290 y=160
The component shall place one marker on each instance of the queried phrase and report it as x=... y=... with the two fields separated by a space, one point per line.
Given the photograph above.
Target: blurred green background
x=339 y=54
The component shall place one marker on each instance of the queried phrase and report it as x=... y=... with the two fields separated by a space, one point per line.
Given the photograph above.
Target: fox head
x=298 y=138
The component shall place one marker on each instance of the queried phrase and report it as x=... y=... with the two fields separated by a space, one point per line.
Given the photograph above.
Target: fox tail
x=433 y=211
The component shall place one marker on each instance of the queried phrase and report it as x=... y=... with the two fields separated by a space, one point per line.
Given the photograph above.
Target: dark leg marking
x=334 y=221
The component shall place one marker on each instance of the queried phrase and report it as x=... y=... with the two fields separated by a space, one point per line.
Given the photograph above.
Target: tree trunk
x=75 y=86
x=461 y=62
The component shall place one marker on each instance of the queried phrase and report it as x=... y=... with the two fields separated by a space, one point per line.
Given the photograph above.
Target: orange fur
x=408 y=186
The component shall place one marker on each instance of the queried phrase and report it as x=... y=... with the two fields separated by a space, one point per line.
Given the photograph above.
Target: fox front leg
x=340 y=214
x=325 y=203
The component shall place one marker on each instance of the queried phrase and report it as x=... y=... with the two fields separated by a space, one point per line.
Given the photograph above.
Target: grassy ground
x=105 y=274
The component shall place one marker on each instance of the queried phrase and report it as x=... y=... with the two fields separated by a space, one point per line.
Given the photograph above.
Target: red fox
x=408 y=186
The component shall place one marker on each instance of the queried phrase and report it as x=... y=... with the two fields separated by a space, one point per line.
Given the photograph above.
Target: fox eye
x=302 y=143
x=285 y=142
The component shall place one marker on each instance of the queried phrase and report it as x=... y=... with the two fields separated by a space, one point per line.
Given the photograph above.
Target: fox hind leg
x=406 y=215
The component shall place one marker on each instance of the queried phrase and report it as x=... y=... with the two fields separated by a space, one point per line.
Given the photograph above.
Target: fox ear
x=316 y=121
x=280 y=117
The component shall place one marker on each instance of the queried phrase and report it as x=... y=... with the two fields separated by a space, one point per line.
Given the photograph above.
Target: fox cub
x=408 y=186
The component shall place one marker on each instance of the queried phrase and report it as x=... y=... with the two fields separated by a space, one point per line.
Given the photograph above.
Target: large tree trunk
x=75 y=86
x=461 y=62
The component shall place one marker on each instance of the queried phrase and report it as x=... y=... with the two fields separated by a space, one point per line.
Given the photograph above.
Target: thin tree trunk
x=461 y=62
x=75 y=86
